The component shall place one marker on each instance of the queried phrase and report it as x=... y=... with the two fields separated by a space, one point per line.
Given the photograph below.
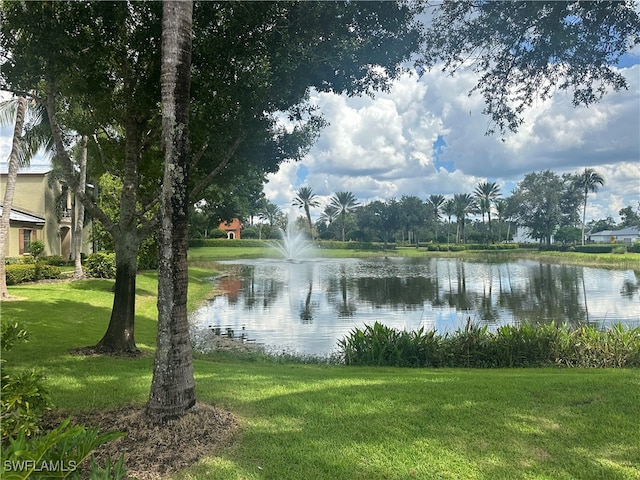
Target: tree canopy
x=524 y=50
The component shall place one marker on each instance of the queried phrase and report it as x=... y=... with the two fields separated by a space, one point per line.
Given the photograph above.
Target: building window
x=26 y=236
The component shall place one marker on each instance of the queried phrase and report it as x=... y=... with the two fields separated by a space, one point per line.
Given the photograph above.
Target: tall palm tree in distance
x=588 y=181
x=344 y=203
x=269 y=212
x=449 y=209
x=306 y=199
x=501 y=210
x=436 y=202
x=464 y=205
x=487 y=192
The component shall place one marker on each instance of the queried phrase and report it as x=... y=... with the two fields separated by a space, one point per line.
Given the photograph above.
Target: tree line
x=548 y=205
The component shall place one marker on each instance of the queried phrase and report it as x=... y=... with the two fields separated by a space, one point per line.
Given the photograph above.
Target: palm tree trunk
x=78 y=273
x=12 y=175
x=173 y=387
x=584 y=213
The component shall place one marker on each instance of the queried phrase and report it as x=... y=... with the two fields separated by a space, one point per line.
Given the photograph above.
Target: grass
x=334 y=422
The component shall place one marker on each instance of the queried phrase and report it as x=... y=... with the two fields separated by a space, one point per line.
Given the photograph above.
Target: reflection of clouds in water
x=308 y=306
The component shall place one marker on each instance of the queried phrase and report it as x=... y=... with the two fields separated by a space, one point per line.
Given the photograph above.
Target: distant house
x=41 y=210
x=232 y=228
x=627 y=236
x=523 y=235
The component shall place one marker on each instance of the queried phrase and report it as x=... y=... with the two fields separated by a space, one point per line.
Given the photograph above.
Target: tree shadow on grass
x=457 y=429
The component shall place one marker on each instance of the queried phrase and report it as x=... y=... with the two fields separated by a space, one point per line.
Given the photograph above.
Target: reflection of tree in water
x=552 y=293
x=262 y=292
x=521 y=292
x=407 y=293
x=458 y=297
x=307 y=307
x=631 y=287
x=338 y=293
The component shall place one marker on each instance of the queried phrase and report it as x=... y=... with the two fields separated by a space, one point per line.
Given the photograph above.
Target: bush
x=20 y=273
x=25 y=448
x=522 y=345
x=217 y=233
x=36 y=248
x=16 y=274
x=250 y=232
x=24 y=398
x=101 y=265
x=57 y=260
x=619 y=249
x=635 y=248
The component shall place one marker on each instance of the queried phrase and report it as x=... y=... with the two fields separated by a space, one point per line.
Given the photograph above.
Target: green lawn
x=336 y=422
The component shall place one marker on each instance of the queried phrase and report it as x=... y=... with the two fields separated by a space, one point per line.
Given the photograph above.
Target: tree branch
x=207 y=179
x=67 y=164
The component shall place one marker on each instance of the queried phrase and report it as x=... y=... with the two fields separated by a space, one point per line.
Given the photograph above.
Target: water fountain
x=294 y=244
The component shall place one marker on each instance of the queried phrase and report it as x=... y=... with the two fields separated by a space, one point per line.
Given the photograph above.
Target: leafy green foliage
x=59 y=452
x=25 y=450
x=36 y=248
x=523 y=51
x=101 y=265
x=31 y=273
x=522 y=345
x=24 y=398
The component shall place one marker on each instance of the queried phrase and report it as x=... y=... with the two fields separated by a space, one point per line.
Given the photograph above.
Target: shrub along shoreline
x=510 y=346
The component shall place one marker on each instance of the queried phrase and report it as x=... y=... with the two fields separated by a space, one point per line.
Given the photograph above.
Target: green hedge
x=225 y=242
x=336 y=244
x=33 y=272
x=595 y=248
x=510 y=346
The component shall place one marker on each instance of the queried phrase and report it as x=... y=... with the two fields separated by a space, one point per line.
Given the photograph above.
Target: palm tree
x=329 y=214
x=27 y=139
x=269 y=212
x=487 y=191
x=436 y=202
x=484 y=205
x=344 y=203
x=173 y=391
x=463 y=205
x=588 y=181
x=12 y=175
x=449 y=209
x=501 y=209
x=305 y=198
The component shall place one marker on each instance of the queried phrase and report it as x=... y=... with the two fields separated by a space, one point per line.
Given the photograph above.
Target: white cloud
x=384 y=147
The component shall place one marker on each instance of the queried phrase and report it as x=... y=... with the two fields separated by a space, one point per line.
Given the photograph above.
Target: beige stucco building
x=42 y=210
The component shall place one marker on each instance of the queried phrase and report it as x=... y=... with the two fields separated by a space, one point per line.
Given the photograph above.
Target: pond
x=306 y=307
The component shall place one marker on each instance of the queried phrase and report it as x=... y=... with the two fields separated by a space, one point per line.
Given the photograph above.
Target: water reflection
x=308 y=306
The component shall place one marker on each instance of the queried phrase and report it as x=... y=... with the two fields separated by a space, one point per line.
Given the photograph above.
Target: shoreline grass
x=629 y=260
x=340 y=422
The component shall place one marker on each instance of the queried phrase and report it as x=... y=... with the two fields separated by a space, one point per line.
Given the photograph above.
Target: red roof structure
x=232 y=228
